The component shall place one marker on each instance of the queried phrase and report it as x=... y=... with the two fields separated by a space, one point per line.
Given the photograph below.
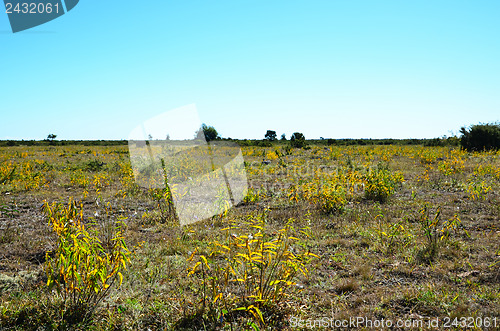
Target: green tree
x=271 y=135
x=208 y=132
x=51 y=137
x=283 y=136
x=481 y=137
x=297 y=140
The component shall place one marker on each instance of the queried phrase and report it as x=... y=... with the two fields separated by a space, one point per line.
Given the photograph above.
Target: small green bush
x=252 y=272
x=435 y=231
x=94 y=165
x=6 y=174
x=380 y=184
x=82 y=269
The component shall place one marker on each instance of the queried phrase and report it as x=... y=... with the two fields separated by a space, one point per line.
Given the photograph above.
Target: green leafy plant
x=435 y=231
x=380 y=184
x=478 y=190
x=392 y=234
x=8 y=210
x=94 y=165
x=81 y=270
x=252 y=196
x=250 y=273
x=6 y=174
x=164 y=198
x=330 y=198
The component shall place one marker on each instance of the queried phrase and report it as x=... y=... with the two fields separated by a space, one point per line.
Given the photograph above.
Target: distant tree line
x=249 y=142
x=477 y=137
x=452 y=141
x=6 y=143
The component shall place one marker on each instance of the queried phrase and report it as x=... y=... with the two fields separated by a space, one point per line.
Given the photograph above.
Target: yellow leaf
x=205 y=260
x=218 y=297
x=254 y=310
x=192 y=255
x=193 y=270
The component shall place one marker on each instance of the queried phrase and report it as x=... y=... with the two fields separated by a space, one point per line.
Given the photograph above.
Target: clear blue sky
x=340 y=69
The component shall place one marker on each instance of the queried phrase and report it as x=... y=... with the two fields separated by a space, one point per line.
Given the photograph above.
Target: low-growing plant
x=287 y=150
x=435 y=231
x=453 y=166
x=380 y=184
x=330 y=198
x=392 y=234
x=94 y=165
x=79 y=179
x=164 y=199
x=478 y=190
x=430 y=228
x=101 y=181
x=81 y=270
x=250 y=273
x=8 y=210
x=252 y=196
x=127 y=181
x=6 y=174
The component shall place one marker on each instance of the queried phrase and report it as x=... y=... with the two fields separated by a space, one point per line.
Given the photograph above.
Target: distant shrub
x=297 y=140
x=264 y=143
x=434 y=142
x=440 y=142
x=94 y=165
x=330 y=142
x=481 y=137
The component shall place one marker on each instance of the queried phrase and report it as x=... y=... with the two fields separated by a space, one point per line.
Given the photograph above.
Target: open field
x=380 y=232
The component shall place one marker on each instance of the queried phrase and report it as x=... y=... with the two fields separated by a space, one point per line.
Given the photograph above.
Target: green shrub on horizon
x=481 y=137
